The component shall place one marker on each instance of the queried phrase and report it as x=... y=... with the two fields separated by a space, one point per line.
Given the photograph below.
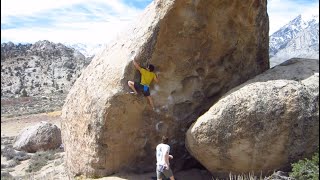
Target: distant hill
x=40 y=68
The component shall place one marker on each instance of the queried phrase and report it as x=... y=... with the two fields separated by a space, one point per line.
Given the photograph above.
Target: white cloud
x=89 y=33
x=99 y=21
x=94 y=21
x=31 y=7
x=282 y=11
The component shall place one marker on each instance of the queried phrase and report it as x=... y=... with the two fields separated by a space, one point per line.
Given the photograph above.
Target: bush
x=3 y=166
x=21 y=156
x=306 y=169
x=13 y=162
x=9 y=153
x=7 y=140
x=24 y=93
x=40 y=159
x=6 y=176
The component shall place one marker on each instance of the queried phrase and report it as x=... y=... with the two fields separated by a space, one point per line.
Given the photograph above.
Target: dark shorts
x=141 y=88
x=163 y=173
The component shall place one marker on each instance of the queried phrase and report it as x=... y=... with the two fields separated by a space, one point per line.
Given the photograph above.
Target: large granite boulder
x=263 y=125
x=40 y=137
x=201 y=49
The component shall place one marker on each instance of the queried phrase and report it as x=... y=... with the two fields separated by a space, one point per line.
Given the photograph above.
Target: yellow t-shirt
x=146 y=76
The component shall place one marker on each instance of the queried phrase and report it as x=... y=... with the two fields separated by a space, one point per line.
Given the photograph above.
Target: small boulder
x=42 y=136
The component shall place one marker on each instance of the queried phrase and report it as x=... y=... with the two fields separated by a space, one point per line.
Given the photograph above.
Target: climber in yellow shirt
x=147 y=76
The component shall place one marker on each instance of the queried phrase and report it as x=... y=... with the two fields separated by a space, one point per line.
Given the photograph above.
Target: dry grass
x=54 y=113
x=249 y=176
x=40 y=159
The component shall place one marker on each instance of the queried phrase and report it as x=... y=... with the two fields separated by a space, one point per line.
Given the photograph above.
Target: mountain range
x=298 y=38
x=40 y=68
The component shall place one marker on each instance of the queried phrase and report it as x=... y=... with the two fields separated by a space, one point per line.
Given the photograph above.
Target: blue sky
x=99 y=21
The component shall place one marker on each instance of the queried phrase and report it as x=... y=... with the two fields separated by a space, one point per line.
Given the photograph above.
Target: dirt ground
x=55 y=169
x=12 y=126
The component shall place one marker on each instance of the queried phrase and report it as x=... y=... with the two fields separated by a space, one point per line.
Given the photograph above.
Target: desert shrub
x=9 y=116
x=40 y=159
x=58 y=162
x=24 y=93
x=306 y=169
x=3 y=166
x=21 y=156
x=18 y=73
x=6 y=176
x=35 y=165
x=8 y=152
x=7 y=140
x=69 y=76
x=13 y=162
x=17 y=68
x=41 y=111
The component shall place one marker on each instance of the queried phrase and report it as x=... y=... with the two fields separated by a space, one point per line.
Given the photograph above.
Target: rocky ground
x=18 y=113
x=20 y=165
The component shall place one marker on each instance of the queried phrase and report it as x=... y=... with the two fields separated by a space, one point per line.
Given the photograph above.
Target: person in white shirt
x=162 y=154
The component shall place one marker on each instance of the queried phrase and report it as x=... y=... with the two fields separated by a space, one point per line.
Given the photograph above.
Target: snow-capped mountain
x=298 y=38
x=88 y=50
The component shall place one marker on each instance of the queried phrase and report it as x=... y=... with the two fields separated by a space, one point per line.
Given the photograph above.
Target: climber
x=147 y=75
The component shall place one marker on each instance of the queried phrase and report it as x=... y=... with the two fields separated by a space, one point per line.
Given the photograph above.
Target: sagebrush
x=306 y=169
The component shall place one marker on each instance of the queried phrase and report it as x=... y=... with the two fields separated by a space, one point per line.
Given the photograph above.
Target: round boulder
x=260 y=127
x=42 y=136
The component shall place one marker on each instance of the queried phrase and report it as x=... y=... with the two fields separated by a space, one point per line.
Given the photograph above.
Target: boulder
x=201 y=49
x=40 y=137
x=262 y=125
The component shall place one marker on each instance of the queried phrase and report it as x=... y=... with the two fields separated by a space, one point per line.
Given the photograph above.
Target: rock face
x=37 y=69
x=201 y=49
x=263 y=125
x=42 y=136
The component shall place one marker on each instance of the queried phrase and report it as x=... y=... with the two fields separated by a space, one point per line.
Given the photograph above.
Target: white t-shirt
x=161 y=150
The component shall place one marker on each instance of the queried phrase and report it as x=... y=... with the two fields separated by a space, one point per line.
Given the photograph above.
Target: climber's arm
x=136 y=65
x=156 y=78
